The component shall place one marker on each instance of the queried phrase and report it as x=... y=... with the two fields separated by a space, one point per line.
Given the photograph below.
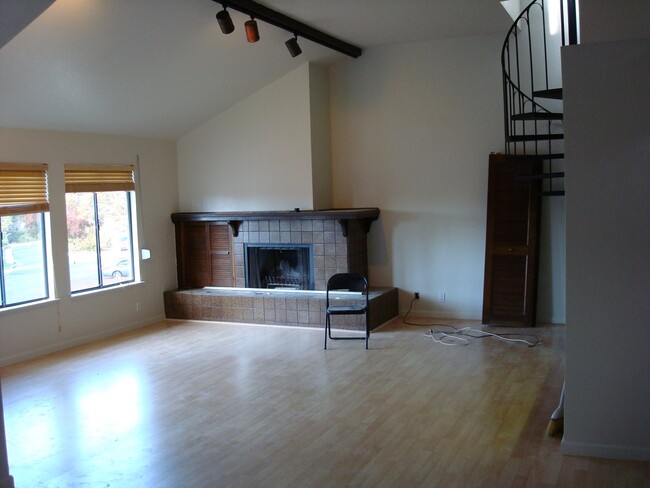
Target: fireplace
x=291 y=250
x=279 y=266
x=212 y=247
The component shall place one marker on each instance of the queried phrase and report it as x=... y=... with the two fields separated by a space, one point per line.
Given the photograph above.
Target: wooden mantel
x=235 y=219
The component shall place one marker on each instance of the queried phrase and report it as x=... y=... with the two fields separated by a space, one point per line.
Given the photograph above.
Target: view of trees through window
x=24 y=276
x=99 y=239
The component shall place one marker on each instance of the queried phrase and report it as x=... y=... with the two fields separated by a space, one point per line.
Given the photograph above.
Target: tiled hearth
x=303 y=309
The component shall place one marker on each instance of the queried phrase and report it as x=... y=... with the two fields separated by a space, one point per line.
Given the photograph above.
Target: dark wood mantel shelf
x=235 y=219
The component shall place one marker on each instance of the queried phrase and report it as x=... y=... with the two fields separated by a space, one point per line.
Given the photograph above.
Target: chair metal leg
x=328 y=331
x=367 y=329
x=327 y=326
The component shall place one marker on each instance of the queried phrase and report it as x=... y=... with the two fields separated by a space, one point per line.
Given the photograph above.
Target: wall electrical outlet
x=441 y=297
x=137 y=306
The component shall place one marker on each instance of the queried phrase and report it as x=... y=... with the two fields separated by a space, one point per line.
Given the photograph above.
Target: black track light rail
x=260 y=12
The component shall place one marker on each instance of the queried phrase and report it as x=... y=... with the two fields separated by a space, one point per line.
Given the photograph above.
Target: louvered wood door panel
x=508 y=279
x=204 y=255
x=196 y=262
x=221 y=262
x=512 y=241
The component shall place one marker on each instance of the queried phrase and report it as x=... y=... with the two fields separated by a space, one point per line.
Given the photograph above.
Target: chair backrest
x=348 y=281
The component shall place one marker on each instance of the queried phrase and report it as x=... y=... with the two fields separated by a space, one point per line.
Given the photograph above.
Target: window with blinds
x=23 y=262
x=23 y=188
x=99 y=202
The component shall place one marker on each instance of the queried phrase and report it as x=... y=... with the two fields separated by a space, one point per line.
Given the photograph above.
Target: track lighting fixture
x=225 y=22
x=293 y=47
x=261 y=12
x=252 y=34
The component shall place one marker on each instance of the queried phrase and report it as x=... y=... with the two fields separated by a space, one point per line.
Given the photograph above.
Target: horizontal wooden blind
x=98 y=177
x=23 y=188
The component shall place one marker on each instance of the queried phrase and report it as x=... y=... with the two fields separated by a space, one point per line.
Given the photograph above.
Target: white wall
x=257 y=155
x=37 y=329
x=551 y=293
x=607 y=20
x=412 y=129
x=321 y=147
x=608 y=249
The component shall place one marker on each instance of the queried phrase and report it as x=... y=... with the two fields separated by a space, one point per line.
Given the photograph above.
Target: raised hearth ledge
x=271 y=291
x=302 y=308
x=235 y=219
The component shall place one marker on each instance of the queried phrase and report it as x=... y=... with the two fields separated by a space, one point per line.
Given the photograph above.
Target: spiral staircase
x=532 y=94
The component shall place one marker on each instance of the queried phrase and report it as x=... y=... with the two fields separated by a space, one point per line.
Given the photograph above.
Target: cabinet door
x=221 y=262
x=512 y=241
x=204 y=255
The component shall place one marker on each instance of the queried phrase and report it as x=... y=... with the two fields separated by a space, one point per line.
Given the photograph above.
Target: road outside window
x=24 y=274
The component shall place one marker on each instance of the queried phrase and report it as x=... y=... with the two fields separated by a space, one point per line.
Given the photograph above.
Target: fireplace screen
x=287 y=266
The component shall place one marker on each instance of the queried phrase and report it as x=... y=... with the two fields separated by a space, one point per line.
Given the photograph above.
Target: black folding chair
x=347 y=282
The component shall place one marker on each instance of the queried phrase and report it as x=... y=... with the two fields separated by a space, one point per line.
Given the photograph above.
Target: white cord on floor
x=506 y=339
x=460 y=341
x=466 y=331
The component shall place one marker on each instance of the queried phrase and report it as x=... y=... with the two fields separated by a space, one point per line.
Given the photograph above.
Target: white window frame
x=84 y=178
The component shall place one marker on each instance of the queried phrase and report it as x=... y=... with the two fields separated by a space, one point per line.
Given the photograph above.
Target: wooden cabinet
x=512 y=240
x=204 y=254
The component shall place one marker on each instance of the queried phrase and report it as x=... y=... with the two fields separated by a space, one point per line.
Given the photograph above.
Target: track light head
x=293 y=47
x=252 y=34
x=225 y=22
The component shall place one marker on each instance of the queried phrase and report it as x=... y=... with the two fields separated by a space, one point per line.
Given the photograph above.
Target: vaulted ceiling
x=161 y=67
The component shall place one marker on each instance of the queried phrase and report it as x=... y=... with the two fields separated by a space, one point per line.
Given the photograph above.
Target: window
x=99 y=211
x=23 y=204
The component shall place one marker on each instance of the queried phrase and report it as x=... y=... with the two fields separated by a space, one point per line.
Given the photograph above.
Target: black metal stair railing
x=531 y=127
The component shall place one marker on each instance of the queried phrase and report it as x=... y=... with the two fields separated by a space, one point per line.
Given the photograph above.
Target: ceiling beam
x=260 y=12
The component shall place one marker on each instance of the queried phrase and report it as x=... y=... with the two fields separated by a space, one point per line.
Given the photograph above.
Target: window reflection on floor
x=109 y=408
x=81 y=431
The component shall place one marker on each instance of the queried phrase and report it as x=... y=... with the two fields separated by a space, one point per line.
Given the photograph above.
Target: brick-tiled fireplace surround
x=338 y=242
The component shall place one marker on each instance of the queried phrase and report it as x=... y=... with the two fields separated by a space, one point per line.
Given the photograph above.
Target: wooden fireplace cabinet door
x=512 y=240
x=204 y=254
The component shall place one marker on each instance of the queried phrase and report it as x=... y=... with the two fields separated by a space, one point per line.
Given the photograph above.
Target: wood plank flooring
x=200 y=404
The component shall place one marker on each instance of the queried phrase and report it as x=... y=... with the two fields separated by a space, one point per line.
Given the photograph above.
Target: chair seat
x=346 y=309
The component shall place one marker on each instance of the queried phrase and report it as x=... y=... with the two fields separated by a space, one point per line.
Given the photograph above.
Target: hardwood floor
x=198 y=404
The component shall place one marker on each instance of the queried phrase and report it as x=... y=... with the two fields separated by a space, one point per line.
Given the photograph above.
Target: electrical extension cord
x=452 y=338
x=448 y=338
x=461 y=341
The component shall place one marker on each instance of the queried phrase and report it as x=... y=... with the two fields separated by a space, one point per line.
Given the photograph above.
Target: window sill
x=28 y=306
x=109 y=289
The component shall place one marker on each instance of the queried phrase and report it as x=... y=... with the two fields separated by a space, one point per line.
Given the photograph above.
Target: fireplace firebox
x=279 y=266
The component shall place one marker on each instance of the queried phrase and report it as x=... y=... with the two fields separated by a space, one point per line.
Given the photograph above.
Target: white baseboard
x=605 y=451
x=60 y=346
x=436 y=314
x=553 y=319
